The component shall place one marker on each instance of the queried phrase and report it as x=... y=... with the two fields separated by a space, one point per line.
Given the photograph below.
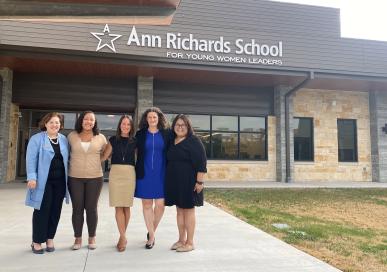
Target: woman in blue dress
x=152 y=143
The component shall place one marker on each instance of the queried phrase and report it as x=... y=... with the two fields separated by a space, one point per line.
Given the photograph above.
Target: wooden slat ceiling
x=150 y=12
x=46 y=66
x=79 y=68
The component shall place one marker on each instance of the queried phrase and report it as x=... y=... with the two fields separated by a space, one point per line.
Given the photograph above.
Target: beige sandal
x=92 y=245
x=177 y=245
x=121 y=245
x=77 y=244
x=185 y=248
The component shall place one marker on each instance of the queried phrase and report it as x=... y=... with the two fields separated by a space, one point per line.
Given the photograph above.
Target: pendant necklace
x=124 y=151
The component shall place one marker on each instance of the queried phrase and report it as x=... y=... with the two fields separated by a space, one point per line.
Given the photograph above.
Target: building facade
x=274 y=92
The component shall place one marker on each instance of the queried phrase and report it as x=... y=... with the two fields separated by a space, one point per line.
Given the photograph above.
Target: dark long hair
x=162 y=124
x=186 y=121
x=118 y=131
x=78 y=123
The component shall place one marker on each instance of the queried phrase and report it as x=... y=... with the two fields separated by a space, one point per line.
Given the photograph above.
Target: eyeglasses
x=180 y=126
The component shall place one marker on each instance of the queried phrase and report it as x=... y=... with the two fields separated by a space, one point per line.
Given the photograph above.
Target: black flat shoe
x=50 y=249
x=36 y=251
x=150 y=246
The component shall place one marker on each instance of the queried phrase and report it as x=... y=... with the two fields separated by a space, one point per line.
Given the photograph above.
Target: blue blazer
x=38 y=161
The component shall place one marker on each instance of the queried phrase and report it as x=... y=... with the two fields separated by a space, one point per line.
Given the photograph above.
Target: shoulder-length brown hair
x=186 y=121
x=47 y=118
x=78 y=123
x=162 y=124
x=131 y=132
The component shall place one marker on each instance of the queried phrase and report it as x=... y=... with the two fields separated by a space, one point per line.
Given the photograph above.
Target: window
x=107 y=121
x=224 y=137
x=347 y=140
x=69 y=120
x=303 y=139
x=231 y=137
x=252 y=142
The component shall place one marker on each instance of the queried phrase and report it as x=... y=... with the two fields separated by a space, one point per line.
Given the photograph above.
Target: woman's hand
x=31 y=184
x=198 y=187
x=107 y=152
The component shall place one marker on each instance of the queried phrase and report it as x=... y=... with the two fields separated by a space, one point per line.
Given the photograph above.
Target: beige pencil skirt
x=122 y=183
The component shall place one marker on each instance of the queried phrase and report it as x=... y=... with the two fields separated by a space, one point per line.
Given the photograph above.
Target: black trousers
x=84 y=194
x=45 y=221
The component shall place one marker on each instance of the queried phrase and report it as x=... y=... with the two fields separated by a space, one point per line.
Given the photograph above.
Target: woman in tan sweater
x=85 y=175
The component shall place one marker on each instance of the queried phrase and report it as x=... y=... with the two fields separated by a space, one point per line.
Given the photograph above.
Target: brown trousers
x=84 y=194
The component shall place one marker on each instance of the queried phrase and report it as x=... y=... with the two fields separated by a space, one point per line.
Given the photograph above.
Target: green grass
x=352 y=247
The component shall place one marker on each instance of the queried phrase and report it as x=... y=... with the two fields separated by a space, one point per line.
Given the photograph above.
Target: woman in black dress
x=186 y=166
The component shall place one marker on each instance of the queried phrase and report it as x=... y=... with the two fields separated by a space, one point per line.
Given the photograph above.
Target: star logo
x=108 y=39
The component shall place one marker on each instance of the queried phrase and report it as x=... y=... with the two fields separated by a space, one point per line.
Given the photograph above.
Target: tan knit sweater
x=86 y=164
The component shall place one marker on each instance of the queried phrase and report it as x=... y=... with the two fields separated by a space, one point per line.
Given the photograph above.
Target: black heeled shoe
x=150 y=246
x=36 y=251
x=147 y=236
x=50 y=249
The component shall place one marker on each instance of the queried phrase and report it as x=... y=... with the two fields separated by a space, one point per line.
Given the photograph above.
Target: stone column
x=378 y=127
x=279 y=111
x=144 y=96
x=291 y=128
x=6 y=76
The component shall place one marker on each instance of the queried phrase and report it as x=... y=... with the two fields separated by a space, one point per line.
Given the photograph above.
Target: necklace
x=124 y=150
x=53 y=140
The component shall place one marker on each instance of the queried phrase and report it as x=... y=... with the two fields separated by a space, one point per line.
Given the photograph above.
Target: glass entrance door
x=29 y=125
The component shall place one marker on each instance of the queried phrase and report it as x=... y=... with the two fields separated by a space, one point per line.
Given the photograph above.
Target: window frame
x=238 y=132
x=312 y=141
x=356 y=149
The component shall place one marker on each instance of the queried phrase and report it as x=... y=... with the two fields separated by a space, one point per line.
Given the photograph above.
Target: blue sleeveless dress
x=152 y=185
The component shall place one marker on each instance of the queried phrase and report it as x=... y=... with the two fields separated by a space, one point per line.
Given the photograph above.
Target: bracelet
x=200 y=182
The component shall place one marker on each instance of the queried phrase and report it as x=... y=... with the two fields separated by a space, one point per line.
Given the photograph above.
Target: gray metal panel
x=27 y=8
x=310 y=36
x=174 y=97
x=70 y=92
x=260 y=16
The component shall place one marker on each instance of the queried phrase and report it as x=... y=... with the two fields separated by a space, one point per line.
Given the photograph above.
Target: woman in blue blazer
x=47 y=158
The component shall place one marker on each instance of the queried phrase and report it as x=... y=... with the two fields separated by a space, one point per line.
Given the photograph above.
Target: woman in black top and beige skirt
x=122 y=177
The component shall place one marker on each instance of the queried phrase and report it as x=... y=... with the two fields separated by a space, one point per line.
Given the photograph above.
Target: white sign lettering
x=210 y=50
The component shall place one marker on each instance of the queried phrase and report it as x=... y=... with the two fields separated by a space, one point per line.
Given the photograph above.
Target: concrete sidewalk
x=223 y=243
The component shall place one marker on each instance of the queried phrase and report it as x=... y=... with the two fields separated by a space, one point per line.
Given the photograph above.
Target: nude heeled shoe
x=77 y=244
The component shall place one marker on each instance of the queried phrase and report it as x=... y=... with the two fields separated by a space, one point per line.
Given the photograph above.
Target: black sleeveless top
x=123 y=150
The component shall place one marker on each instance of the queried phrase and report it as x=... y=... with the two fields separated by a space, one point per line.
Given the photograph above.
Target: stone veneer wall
x=12 y=144
x=6 y=76
x=247 y=170
x=326 y=106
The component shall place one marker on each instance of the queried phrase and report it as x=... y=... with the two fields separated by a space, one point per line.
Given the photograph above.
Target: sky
x=361 y=19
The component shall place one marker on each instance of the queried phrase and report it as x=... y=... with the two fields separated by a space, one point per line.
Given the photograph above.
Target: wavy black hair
x=78 y=124
x=162 y=124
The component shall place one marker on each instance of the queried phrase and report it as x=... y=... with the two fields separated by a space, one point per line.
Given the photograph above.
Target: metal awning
x=151 y=12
